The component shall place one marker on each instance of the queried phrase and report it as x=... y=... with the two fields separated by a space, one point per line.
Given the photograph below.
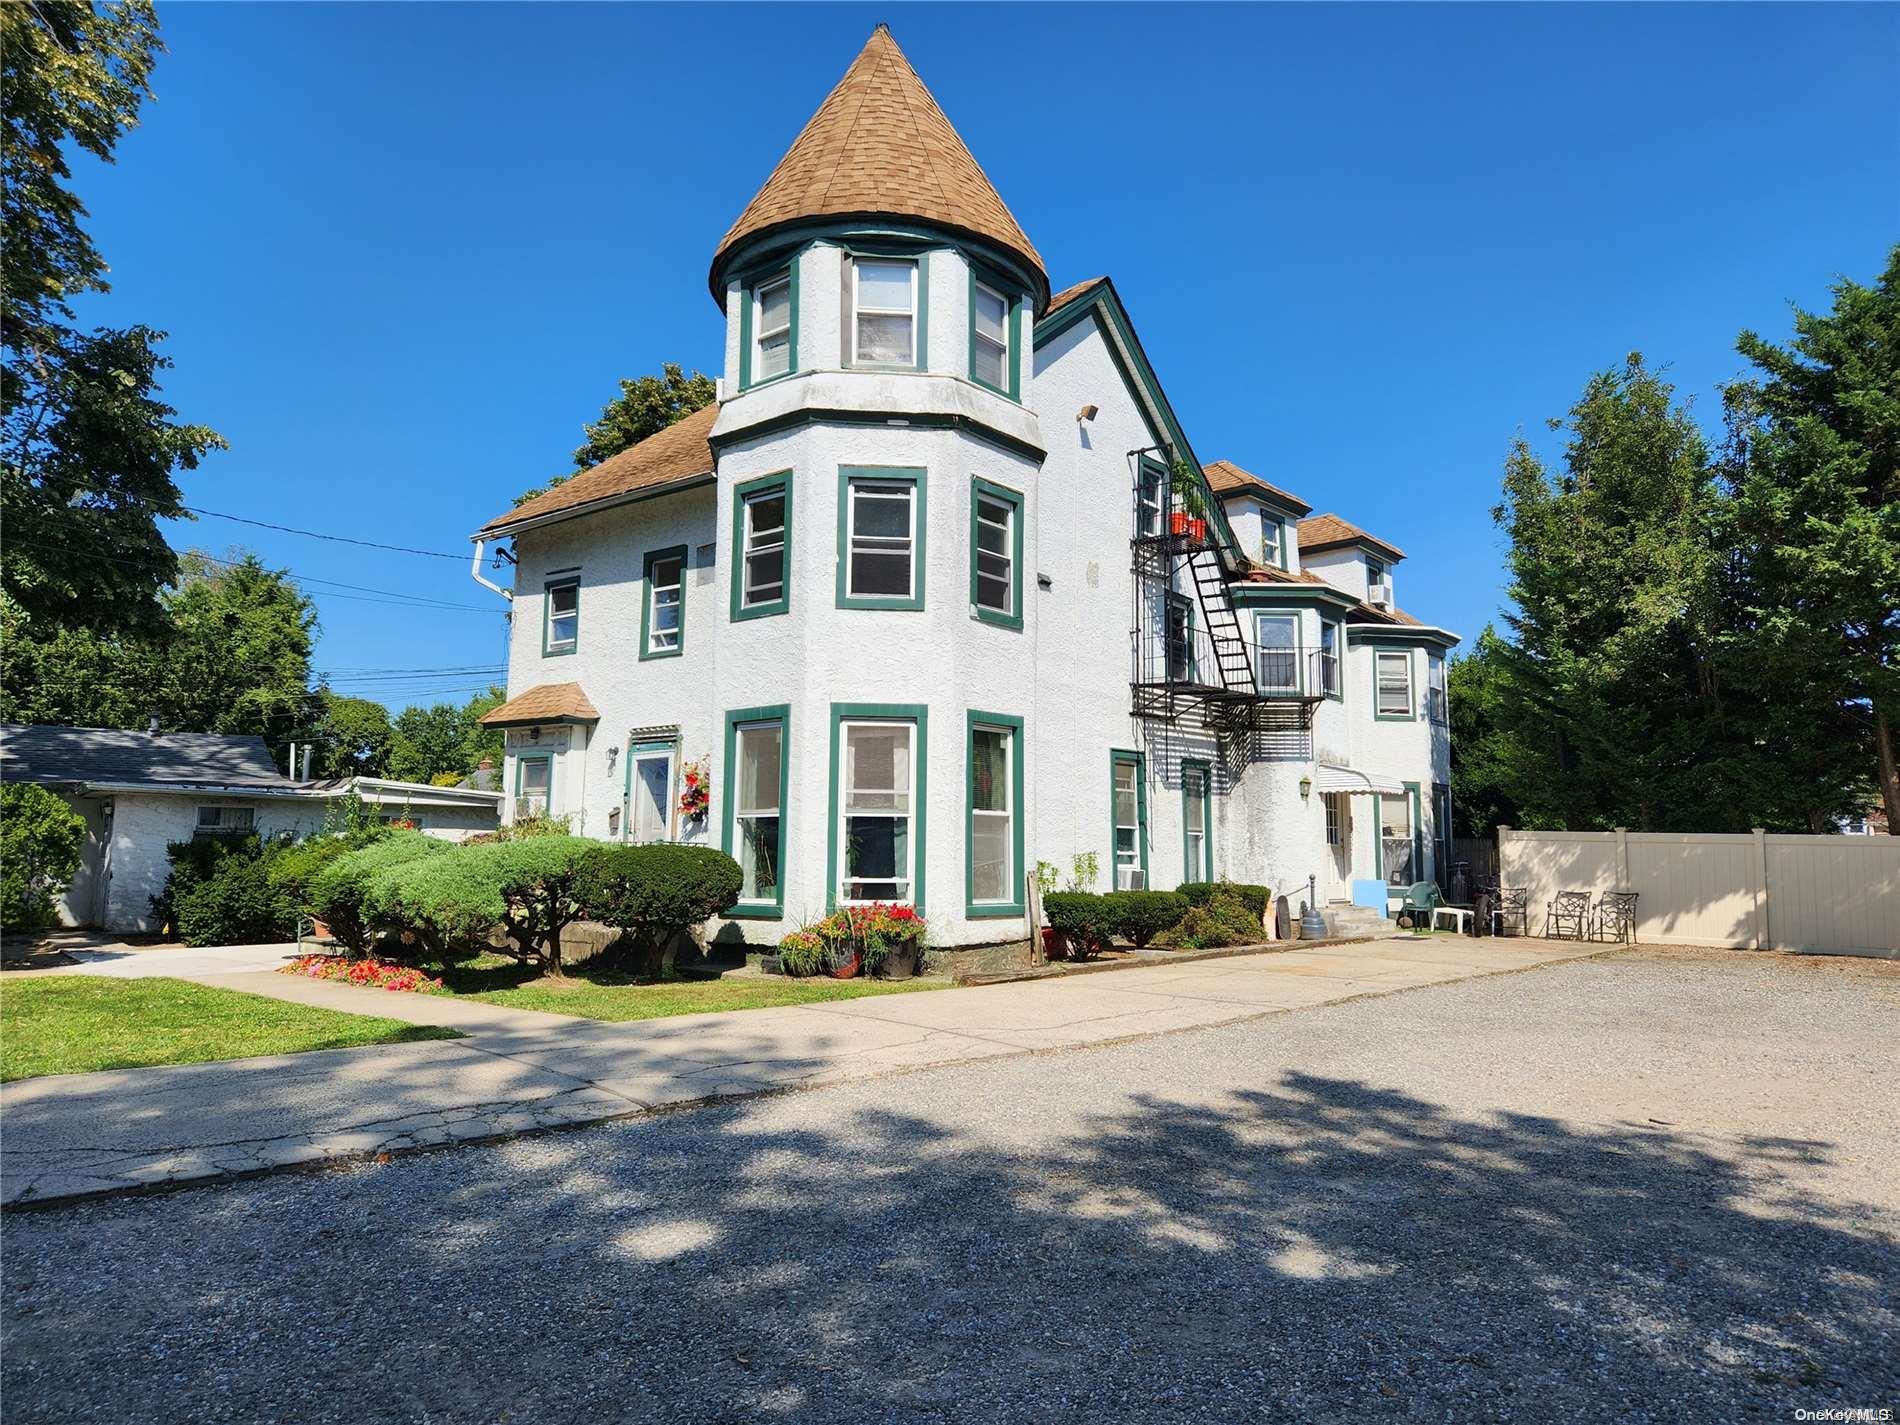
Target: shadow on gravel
x=1323 y=1247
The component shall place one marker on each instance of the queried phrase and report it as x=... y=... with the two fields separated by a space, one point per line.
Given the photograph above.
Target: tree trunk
x=1889 y=769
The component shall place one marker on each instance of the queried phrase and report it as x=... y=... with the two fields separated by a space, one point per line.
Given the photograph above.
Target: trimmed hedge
x=653 y=893
x=1255 y=898
x=1139 y=916
x=239 y=904
x=195 y=861
x=339 y=894
x=452 y=903
x=1086 y=919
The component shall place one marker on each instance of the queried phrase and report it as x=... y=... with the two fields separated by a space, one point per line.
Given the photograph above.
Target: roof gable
x=1228 y=478
x=1330 y=532
x=880 y=145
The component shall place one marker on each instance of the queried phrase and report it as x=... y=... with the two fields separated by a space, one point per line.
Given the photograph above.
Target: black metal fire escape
x=1202 y=672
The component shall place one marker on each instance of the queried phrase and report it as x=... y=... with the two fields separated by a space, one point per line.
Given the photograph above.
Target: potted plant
x=1189 y=515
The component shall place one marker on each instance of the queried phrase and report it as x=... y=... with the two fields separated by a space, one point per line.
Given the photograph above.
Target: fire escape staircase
x=1203 y=672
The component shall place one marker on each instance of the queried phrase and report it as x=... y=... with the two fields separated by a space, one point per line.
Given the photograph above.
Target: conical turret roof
x=880 y=146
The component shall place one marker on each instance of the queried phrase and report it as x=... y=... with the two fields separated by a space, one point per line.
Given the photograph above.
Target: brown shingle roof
x=1069 y=294
x=1328 y=531
x=1228 y=478
x=545 y=702
x=880 y=145
x=677 y=453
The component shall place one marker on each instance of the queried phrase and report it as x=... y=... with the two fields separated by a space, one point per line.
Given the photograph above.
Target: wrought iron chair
x=1511 y=906
x=1616 y=916
x=1568 y=917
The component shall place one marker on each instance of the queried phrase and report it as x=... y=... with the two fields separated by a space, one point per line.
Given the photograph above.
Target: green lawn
x=598 y=994
x=73 y=1024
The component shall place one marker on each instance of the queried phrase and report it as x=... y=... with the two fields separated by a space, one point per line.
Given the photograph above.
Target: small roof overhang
x=1328 y=778
x=543 y=704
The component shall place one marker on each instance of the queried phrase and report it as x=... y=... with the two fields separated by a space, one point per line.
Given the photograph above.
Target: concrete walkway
x=517 y=1071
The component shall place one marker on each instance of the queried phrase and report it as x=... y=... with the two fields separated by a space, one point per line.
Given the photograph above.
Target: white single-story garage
x=139 y=791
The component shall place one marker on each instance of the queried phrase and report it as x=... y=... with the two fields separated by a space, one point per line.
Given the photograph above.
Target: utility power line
x=333 y=538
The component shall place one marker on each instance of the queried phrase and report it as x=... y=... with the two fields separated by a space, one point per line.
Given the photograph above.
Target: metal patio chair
x=1616 y=917
x=1568 y=917
x=1511 y=905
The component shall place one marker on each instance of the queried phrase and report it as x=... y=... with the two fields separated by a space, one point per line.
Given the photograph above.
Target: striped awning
x=1328 y=778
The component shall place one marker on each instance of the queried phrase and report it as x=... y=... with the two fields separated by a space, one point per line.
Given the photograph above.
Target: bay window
x=877 y=829
x=881 y=538
x=1330 y=641
x=1435 y=701
x=1393 y=674
x=991 y=361
x=757 y=767
x=884 y=311
x=996 y=554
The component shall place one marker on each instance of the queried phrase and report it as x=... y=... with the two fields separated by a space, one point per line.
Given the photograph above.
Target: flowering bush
x=866 y=933
x=696 y=789
x=370 y=974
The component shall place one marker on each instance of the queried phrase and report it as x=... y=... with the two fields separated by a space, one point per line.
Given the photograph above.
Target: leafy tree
x=40 y=843
x=87 y=449
x=1481 y=760
x=427 y=742
x=1814 y=461
x=645 y=406
x=654 y=894
x=238 y=656
x=354 y=736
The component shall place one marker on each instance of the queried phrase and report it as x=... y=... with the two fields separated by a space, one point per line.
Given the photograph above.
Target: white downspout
x=475 y=571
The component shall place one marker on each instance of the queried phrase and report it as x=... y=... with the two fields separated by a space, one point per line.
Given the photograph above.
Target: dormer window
x=1378 y=582
x=1272 y=540
x=772 y=327
x=883 y=312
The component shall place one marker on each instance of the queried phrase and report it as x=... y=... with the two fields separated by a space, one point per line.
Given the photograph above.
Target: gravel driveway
x=1655 y=1186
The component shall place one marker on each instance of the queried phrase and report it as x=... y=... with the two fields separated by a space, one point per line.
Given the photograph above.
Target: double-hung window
x=534 y=786
x=1277 y=659
x=881 y=538
x=1393 y=672
x=1179 y=639
x=994 y=852
x=650 y=791
x=1335 y=831
x=1197 y=822
x=1272 y=540
x=561 y=629
x=1330 y=682
x=1148 y=484
x=761 y=546
x=990 y=355
x=996 y=554
x=1435 y=702
x=884 y=311
x=875 y=850
x=662 y=612
x=1128 y=812
x=771 y=351
x=1396 y=838
x=754 y=836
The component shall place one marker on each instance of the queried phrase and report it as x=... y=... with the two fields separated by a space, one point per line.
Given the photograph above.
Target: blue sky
x=405 y=251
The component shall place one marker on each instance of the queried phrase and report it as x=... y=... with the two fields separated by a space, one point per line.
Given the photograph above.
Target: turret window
x=880 y=538
x=772 y=327
x=884 y=312
x=989 y=336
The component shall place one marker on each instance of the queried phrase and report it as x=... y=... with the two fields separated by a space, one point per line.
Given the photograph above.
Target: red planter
x=1197 y=530
x=848 y=970
x=1178 y=522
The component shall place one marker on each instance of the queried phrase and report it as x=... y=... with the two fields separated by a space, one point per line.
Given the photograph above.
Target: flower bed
x=370 y=974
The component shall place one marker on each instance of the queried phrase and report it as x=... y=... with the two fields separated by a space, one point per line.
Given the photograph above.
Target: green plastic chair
x=1421 y=898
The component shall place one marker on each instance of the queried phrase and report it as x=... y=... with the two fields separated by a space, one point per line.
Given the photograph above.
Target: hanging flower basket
x=695 y=790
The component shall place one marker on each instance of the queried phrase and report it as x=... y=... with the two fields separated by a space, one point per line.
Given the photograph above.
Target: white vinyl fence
x=1836 y=894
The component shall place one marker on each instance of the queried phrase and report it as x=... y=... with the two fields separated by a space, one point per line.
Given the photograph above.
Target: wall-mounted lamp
x=1306 y=788
x=1087 y=413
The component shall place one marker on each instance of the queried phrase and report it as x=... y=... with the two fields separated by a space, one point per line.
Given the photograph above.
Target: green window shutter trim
x=780 y=713
x=1014 y=499
x=764 y=484
x=918 y=714
x=653 y=557
x=1016 y=906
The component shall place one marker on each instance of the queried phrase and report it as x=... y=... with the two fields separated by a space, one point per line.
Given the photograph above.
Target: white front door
x=650 y=792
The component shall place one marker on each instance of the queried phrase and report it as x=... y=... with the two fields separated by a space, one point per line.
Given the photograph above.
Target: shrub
x=293 y=868
x=40 y=843
x=452 y=902
x=1223 y=920
x=238 y=904
x=652 y=894
x=1139 y=916
x=804 y=952
x=338 y=893
x=1083 y=917
x=196 y=861
x=1255 y=898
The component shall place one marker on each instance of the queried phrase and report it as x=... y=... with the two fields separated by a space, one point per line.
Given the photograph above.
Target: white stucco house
x=140 y=791
x=939 y=588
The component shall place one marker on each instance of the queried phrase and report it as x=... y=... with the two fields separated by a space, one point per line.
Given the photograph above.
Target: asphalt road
x=1658 y=1186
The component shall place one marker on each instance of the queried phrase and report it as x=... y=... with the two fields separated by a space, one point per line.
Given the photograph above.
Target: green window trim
x=1378 y=836
x=521 y=761
x=1002 y=494
x=636 y=751
x=918 y=479
x=919 y=715
x=1139 y=761
x=780 y=480
x=1014 y=329
x=1380 y=650
x=1195 y=766
x=847 y=339
x=653 y=557
x=1017 y=906
x=780 y=713
x=1338 y=695
x=748 y=285
x=548 y=648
